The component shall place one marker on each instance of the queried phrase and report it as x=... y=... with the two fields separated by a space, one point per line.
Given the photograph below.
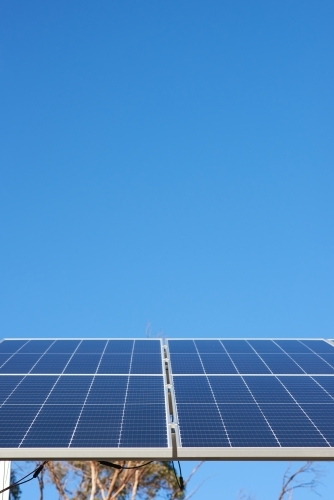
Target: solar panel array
x=197 y=398
x=253 y=393
x=82 y=394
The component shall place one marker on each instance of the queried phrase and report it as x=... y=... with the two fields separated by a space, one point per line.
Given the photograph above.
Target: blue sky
x=167 y=162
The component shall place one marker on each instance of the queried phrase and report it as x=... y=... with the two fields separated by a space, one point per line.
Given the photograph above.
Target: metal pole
x=4 y=478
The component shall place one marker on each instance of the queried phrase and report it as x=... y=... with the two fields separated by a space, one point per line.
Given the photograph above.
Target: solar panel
x=182 y=398
x=253 y=398
x=83 y=398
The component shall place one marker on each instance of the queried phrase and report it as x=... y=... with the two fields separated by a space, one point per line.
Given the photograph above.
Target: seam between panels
x=47 y=397
x=125 y=397
x=213 y=395
x=23 y=376
x=89 y=389
x=257 y=404
x=306 y=415
x=319 y=356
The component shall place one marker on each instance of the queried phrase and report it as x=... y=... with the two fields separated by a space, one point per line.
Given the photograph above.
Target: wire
x=179 y=480
x=34 y=473
x=122 y=467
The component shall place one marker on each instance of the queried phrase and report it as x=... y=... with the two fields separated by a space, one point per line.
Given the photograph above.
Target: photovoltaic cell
x=7 y=385
x=105 y=431
x=32 y=390
x=150 y=419
x=147 y=346
x=209 y=346
x=327 y=383
x=249 y=363
x=70 y=390
x=246 y=426
x=14 y=423
x=51 y=363
x=305 y=390
x=83 y=363
x=108 y=390
x=119 y=346
x=230 y=390
x=217 y=363
x=311 y=363
x=53 y=427
x=319 y=346
x=291 y=426
x=265 y=346
x=36 y=346
x=149 y=363
x=193 y=390
x=201 y=426
x=115 y=363
x=145 y=390
x=328 y=357
x=11 y=346
x=237 y=346
x=292 y=346
x=20 y=363
x=4 y=357
x=268 y=390
x=186 y=363
x=92 y=347
x=63 y=346
x=281 y=363
x=182 y=346
x=323 y=417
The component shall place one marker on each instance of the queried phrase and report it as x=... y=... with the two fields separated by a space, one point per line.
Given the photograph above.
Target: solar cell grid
x=51 y=363
x=246 y=425
x=305 y=390
x=281 y=363
x=83 y=363
x=209 y=346
x=20 y=363
x=227 y=393
x=327 y=383
x=291 y=426
x=92 y=346
x=268 y=390
x=36 y=346
x=217 y=363
x=311 y=363
x=194 y=390
x=70 y=390
x=11 y=346
x=249 y=363
x=237 y=346
x=32 y=390
x=119 y=346
x=115 y=363
x=293 y=346
x=230 y=390
x=7 y=385
x=328 y=357
x=265 y=346
x=318 y=346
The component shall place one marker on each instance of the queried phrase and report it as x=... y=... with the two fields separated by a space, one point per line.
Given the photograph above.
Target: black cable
x=122 y=467
x=180 y=481
x=35 y=473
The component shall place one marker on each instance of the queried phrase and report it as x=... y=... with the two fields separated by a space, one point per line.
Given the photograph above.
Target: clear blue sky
x=169 y=162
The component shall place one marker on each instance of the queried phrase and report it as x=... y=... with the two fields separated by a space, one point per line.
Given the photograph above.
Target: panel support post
x=4 y=478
